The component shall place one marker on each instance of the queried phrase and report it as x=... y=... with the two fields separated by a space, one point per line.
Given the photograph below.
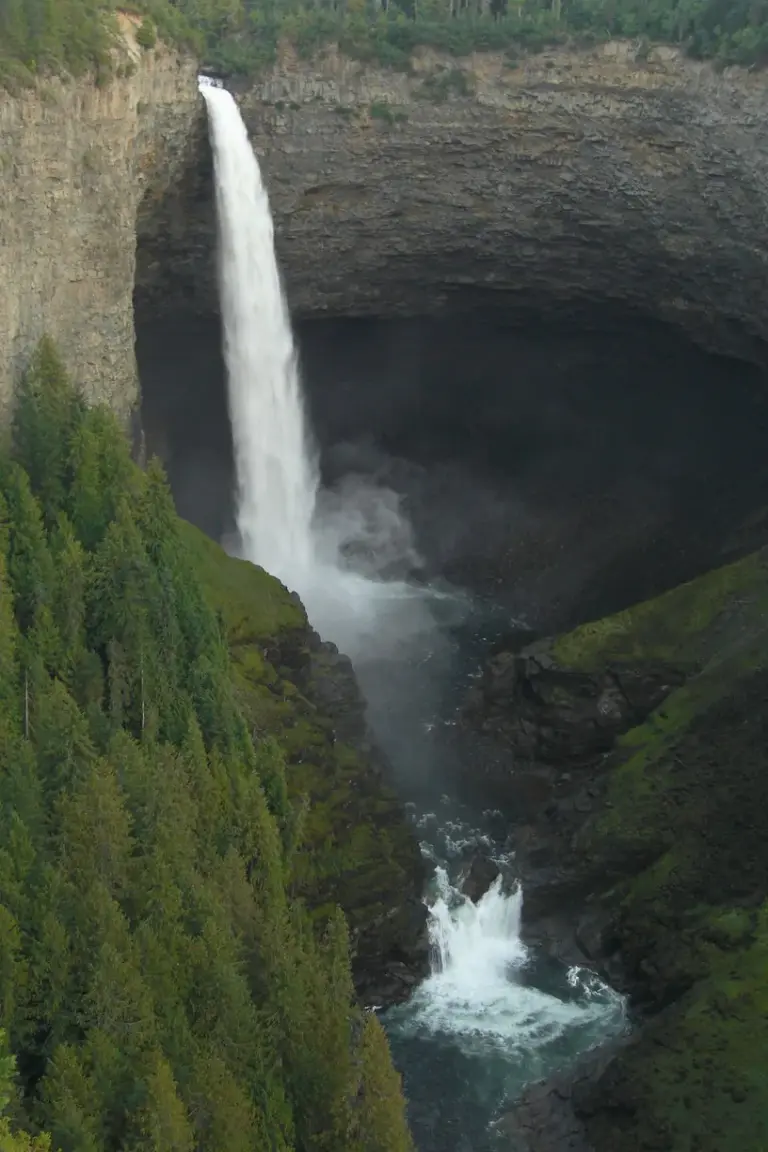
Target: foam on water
x=475 y=988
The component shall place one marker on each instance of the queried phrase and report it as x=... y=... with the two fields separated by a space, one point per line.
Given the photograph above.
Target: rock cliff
x=75 y=161
x=542 y=186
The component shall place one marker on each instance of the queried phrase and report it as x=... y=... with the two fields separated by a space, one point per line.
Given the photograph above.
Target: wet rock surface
x=480 y=874
x=649 y=863
x=551 y=714
x=391 y=947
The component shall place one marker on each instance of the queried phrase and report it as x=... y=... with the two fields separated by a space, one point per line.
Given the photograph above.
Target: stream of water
x=492 y=1016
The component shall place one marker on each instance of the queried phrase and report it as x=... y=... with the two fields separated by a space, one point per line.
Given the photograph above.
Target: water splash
x=478 y=991
x=348 y=554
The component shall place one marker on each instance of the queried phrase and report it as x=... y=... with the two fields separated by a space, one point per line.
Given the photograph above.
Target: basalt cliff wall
x=535 y=188
x=76 y=160
x=540 y=187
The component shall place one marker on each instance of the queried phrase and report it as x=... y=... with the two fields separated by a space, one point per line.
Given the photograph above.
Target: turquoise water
x=494 y=1016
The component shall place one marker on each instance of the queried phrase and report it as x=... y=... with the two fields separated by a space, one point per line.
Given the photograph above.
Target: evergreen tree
x=380 y=1109
x=163 y=1121
x=14 y=1141
x=159 y=985
x=46 y=415
x=30 y=567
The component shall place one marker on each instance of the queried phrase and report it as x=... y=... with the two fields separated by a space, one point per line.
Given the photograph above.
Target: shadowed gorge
x=525 y=467
x=565 y=472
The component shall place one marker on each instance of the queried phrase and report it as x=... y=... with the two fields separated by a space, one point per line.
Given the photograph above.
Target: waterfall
x=475 y=945
x=282 y=524
x=275 y=463
x=341 y=551
x=479 y=988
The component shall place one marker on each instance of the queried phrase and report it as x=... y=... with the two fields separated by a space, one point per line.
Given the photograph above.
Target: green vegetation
x=161 y=986
x=678 y=627
x=681 y=838
x=146 y=37
x=241 y=36
x=440 y=86
x=380 y=110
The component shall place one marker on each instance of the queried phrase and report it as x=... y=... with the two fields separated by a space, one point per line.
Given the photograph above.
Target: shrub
x=146 y=37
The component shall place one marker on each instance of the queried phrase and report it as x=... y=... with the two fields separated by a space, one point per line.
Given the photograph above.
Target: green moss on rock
x=680 y=841
x=679 y=627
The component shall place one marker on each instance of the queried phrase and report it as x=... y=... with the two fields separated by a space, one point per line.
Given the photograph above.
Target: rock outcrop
x=650 y=849
x=76 y=159
x=537 y=187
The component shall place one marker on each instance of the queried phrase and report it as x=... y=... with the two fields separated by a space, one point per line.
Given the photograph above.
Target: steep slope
x=650 y=729
x=76 y=158
x=162 y=984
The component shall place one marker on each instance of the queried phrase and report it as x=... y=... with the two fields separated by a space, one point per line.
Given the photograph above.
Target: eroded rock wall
x=75 y=161
x=544 y=186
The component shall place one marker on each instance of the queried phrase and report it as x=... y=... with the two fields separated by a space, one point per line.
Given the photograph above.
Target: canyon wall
x=75 y=161
x=541 y=186
x=537 y=187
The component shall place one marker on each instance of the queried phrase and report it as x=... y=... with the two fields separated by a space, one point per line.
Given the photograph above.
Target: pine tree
x=69 y=597
x=30 y=567
x=102 y=476
x=163 y=1122
x=70 y=1108
x=11 y=1141
x=161 y=986
x=46 y=414
x=381 y=1119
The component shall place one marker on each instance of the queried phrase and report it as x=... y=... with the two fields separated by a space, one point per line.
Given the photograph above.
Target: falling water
x=284 y=523
x=478 y=1000
x=275 y=464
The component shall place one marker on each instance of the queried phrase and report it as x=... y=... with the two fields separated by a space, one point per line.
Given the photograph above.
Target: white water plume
x=275 y=465
x=478 y=991
x=348 y=554
x=338 y=550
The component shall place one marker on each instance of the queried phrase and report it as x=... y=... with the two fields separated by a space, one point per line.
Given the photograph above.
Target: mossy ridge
x=697 y=1079
x=254 y=605
x=679 y=627
x=356 y=845
x=681 y=836
x=648 y=771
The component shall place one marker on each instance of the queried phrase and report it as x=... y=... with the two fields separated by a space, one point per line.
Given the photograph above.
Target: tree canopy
x=160 y=989
x=242 y=35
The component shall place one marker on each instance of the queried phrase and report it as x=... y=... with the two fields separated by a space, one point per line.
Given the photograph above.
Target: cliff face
x=545 y=186
x=75 y=161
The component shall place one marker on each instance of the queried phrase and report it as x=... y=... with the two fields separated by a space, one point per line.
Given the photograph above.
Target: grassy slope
x=357 y=849
x=685 y=828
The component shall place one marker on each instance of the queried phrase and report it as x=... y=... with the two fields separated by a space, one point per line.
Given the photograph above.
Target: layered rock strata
x=537 y=187
x=76 y=159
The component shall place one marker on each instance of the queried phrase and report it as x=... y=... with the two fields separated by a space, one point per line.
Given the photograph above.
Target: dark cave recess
x=563 y=471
